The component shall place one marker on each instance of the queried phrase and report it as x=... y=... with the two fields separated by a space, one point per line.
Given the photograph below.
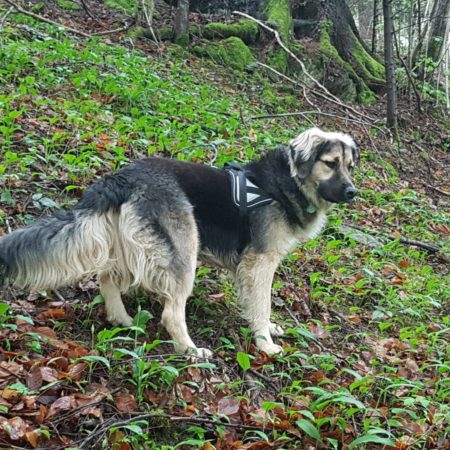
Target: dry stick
x=148 y=14
x=329 y=95
x=319 y=94
x=431 y=248
x=2 y=22
x=436 y=189
x=44 y=19
x=120 y=423
x=116 y=30
x=88 y=11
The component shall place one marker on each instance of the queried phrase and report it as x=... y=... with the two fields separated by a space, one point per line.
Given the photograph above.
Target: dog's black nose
x=350 y=192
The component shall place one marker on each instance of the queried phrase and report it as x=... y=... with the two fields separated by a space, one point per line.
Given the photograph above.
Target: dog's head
x=324 y=160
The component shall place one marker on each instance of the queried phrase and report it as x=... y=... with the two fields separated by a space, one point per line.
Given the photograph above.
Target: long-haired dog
x=146 y=225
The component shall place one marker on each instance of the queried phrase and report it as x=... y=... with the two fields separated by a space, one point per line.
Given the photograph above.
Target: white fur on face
x=306 y=142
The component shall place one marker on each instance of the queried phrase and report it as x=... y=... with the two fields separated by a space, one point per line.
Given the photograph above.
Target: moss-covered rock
x=128 y=6
x=278 y=13
x=231 y=52
x=165 y=33
x=182 y=39
x=68 y=5
x=247 y=30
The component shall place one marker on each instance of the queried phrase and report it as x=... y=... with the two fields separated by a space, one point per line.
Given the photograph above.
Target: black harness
x=246 y=196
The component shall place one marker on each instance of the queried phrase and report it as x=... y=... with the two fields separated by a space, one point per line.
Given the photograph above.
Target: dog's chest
x=285 y=238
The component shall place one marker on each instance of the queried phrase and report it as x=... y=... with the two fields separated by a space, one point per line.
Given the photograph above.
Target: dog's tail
x=58 y=250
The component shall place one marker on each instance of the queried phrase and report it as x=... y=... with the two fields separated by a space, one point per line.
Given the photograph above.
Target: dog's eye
x=330 y=164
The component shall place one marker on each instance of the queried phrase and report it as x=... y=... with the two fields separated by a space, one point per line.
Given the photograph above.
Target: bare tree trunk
x=182 y=22
x=389 y=66
x=437 y=36
x=374 y=26
x=364 y=19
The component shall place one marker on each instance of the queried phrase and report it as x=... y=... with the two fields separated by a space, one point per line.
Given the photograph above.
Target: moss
x=246 y=29
x=279 y=15
x=363 y=92
x=38 y=7
x=182 y=39
x=231 y=52
x=122 y=5
x=136 y=32
x=370 y=68
x=278 y=59
x=165 y=33
x=68 y=5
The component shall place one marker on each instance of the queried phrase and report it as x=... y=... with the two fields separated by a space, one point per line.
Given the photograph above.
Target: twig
x=97 y=435
x=117 y=30
x=437 y=189
x=431 y=248
x=8 y=226
x=88 y=11
x=59 y=295
x=325 y=91
x=5 y=16
x=147 y=9
x=44 y=19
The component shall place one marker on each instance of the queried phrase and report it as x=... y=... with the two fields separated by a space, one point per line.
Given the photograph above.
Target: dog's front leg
x=254 y=277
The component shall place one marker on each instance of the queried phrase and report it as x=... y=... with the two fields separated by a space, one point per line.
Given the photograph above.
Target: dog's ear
x=303 y=151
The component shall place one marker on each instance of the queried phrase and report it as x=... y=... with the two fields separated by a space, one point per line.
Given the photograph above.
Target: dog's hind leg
x=254 y=277
x=115 y=309
x=161 y=255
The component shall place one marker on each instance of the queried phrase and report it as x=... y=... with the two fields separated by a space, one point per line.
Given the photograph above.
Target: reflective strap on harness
x=246 y=196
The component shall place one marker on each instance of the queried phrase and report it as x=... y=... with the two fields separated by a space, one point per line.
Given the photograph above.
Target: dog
x=148 y=224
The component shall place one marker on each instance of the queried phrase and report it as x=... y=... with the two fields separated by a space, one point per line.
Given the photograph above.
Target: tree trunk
x=181 y=25
x=438 y=31
x=389 y=66
x=365 y=19
x=374 y=26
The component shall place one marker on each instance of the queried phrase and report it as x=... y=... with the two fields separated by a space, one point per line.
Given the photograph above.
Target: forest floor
x=366 y=359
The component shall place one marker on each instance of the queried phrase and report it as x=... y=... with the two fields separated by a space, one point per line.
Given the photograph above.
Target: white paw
x=125 y=320
x=269 y=348
x=275 y=330
x=203 y=353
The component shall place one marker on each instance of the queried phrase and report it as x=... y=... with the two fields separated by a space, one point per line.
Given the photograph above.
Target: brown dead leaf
x=125 y=402
x=76 y=370
x=15 y=427
x=8 y=369
x=10 y=394
x=34 y=378
x=228 y=406
x=57 y=313
x=49 y=374
x=45 y=332
x=61 y=404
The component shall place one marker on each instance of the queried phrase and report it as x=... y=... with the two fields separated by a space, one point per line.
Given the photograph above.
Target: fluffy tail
x=59 y=250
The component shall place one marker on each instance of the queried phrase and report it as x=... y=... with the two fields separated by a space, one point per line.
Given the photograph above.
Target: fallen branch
x=425 y=245
x=116 y=30
x=437 y=189
x=44 y=19
x=5 y=16
x=97 y=434
x=326 y=92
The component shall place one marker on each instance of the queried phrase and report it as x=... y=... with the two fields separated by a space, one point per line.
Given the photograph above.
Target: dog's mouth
x=344 y=195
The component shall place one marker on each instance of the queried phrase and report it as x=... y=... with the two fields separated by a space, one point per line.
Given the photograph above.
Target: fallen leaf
x=228 y=406
x=125 y=402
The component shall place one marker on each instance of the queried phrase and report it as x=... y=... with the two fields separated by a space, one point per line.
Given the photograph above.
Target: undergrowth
x=368 y=366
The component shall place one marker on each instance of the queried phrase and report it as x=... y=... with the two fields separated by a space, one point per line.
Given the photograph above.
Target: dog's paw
x=275 y=330
x=125 y=321
x=270 y=348
x=200 y=353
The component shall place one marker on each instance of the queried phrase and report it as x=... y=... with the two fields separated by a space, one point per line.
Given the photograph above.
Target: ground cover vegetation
x=366 y=353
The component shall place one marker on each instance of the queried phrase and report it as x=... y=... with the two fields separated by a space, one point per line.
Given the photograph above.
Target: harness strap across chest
x=246 y=196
